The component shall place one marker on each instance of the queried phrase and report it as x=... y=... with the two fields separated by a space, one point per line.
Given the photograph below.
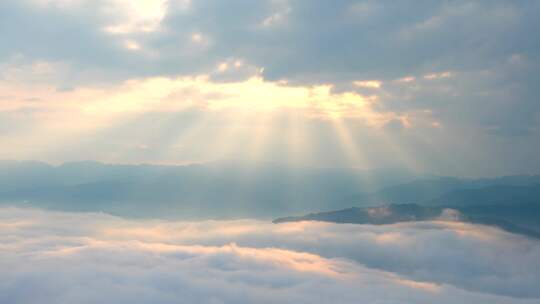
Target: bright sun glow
x=253 y=94
x=254 y=115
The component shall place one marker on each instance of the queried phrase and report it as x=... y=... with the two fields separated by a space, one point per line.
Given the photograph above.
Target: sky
x=444 y=87
x=290 y=104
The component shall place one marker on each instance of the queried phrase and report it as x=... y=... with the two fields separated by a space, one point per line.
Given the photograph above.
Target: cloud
x=455 y=74
x=68 y=257
x=315 y=43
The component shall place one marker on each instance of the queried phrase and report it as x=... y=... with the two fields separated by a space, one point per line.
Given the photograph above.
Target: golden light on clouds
x=406 y=79
x=368 y=84
x=131 y=16
x=249 y=118
x=136 y=16
x=254 y=94
x=196 y=37
x=432 y=76
x=132 y=45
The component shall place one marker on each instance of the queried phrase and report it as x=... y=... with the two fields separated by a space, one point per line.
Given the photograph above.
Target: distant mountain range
x=431 y=190
x=512 y=208
x=233 y=190
x=213 y=190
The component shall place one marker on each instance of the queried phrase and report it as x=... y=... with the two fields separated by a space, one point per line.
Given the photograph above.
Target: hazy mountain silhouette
x=432 y=189
x=205 y=190
x=512 y=208
x=388 y=214
x=233 y=190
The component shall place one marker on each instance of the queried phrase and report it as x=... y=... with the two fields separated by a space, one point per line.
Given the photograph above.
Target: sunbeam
x=269 y=151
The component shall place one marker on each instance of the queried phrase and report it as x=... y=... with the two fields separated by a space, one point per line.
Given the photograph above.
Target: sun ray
x=232 y=136
x=349 y=145
x=398 y=151
x=262 y=136
x=297 y=138
x=351 y=150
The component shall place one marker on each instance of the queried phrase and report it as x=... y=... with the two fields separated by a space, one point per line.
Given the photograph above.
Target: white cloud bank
x=50 y=257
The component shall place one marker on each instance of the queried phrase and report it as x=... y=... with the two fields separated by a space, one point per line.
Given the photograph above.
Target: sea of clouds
x=55 y=257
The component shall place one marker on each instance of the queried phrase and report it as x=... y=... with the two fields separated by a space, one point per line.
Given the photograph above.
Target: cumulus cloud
x=337 y=43
x=93 y=258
